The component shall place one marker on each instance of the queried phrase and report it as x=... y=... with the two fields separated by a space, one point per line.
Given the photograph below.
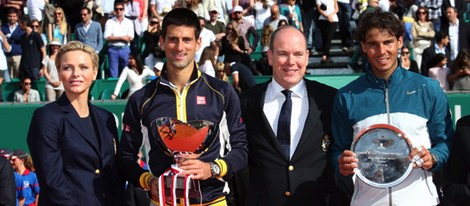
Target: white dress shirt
x=454 y=39
x=272 y=107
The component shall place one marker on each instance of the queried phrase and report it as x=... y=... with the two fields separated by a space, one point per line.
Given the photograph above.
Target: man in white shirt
x=281 y=152
x=118 y=32
x=207 y=39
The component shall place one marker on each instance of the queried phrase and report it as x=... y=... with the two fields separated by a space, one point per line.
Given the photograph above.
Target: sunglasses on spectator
x=154 y=22
x=27 y=83
x=35 y=26
x=406 y=53
x=58 y=13
x=84 y=14
x=118 y=9
x=422 y=12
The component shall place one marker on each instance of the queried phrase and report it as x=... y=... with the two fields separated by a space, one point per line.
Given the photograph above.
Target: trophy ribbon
x=174 y=173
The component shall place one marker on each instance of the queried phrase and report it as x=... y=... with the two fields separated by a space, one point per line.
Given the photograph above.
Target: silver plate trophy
x=175 y=137
x=382 y=151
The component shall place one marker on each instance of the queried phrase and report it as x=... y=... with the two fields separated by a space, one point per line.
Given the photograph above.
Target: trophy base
x=193 y=187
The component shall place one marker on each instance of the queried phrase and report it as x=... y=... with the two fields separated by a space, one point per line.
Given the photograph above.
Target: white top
x=135 y=80
x=35 y=8
x=261 y=13
x=160 y=4
x=108 y=6
x=115 y=28
x=132 y=9
x=440 y=74
x=330 y=8
x=3 y=59
x=53 y=73
x=207 y=68
x=272 y=107
x=207 y=36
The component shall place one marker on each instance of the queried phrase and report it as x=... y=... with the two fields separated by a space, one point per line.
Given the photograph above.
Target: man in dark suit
x=458 y=31
x=289 y=167
x=441 y=40
x=88 y=31
x=457 y=188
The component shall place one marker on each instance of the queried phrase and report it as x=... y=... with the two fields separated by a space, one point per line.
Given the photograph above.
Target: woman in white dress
x=54 y=87
x=135 y=73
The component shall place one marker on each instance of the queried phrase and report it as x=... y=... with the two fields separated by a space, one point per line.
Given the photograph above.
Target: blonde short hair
x=77 y=46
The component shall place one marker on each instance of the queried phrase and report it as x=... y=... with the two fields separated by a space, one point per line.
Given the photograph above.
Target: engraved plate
x=382 y=151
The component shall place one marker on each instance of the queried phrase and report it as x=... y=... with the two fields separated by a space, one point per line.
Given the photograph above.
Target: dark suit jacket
x=457 y=171
x=72 y=167
x=464 y=34
x=7 y=183
x=308 y=178
x=426 y=57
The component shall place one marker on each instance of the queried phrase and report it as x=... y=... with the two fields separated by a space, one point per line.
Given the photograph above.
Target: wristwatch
x=434 y=159
x=215 y=169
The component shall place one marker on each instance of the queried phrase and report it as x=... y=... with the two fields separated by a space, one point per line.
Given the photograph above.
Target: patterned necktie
x=283 y=125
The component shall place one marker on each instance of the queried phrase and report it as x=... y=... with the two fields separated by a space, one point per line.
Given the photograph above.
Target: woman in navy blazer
x=73 y=143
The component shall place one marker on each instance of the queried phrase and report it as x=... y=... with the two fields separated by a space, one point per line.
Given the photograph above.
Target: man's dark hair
x=385 y=21
x=440 y=35
x=12 y=10
x=118 y=3
x=181 y=17
x=88 y=10
x=26 y=20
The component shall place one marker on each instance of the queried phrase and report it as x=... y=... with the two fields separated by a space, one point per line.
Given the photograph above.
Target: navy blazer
x=14 y=39
x=94 y=36
x=72 y=167
x=307 y=178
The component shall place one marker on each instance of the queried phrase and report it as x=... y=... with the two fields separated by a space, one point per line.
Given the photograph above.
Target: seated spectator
x=460 y=77
x=207 y=38
x=406 y=62
x=54 y=87
x=26 y=94
x=292 y=11
x=233 y=45
x=220 y=72
x=152 y=51
x=207 y=61
x=441 y=41
x=245 y=29
x=439 y=71
x=282 y=23
x=36 y=25
x=59 y=28
x=242 y=77
x=262 y=10
x=135 y=73
x=275 y=18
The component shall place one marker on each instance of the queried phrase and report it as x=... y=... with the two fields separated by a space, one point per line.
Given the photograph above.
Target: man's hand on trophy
x=421 y=157
x=153 y=184
x=347 y=163
x=199 y=169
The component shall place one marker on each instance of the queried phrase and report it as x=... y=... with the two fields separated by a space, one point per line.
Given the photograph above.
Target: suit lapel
x=81 y=127
x=270 y=134
x=310 y=121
